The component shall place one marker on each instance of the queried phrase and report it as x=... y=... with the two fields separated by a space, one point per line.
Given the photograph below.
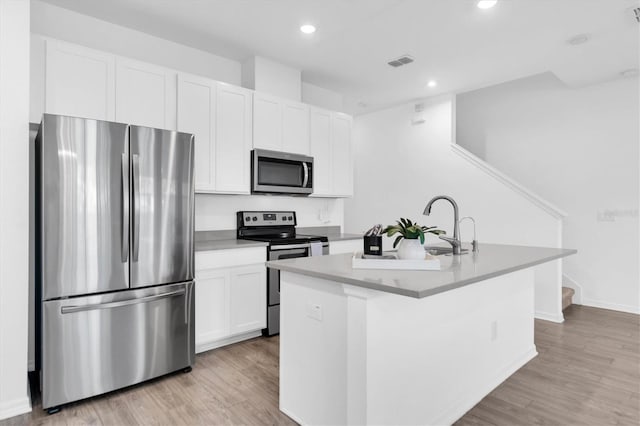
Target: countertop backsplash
x=218 y=212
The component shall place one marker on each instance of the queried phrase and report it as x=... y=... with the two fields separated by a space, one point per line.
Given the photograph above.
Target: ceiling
x=453 y=42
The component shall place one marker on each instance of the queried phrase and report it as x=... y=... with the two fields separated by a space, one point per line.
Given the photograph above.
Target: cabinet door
x=212 y=302
x=79 y=82
x=196 y=114
x=320 y=136
x=233 y=139
x=145 y=94
x=267 y=122
x=248 y=299
x=295 y=128
x=342 y=163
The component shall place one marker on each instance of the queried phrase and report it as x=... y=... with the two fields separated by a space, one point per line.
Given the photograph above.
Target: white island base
x=351 y=355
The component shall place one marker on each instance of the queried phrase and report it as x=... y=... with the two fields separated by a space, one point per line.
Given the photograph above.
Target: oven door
x=281 y=173
x=273 y=275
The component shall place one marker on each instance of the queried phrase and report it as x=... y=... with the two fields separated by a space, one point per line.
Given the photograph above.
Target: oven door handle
x=289 y=247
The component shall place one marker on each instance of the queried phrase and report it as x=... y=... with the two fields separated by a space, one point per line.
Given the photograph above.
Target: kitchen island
x=403 y=347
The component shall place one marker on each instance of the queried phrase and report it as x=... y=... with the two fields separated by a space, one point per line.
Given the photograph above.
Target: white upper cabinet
x=196 y=114
x=341 y=155
x=267 y=122
x=330 y=134
x=145 y=94
x=295 y=128
x=228 y=121
x=79 y=82
x=320 y=136
x=233 y=139
x=280 y=125
x=219 y=115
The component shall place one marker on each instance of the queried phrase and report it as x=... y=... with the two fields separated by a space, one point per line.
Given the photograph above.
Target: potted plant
x=411 y=236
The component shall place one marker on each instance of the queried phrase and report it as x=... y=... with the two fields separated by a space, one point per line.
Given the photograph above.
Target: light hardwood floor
x=587 y=373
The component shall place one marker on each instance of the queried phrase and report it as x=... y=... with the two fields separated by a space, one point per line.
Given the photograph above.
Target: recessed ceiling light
x=579 y=39
x=308 y=29
x=632 y=72
x=487 y=4
x=432 y=83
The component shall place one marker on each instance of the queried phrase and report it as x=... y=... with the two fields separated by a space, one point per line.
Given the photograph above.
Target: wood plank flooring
x=587 y=373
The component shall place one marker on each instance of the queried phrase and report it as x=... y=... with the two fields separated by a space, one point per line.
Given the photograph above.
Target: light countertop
x=226 y=239
x=456 y=271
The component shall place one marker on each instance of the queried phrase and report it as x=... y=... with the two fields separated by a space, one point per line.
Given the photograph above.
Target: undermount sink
x=439 y=250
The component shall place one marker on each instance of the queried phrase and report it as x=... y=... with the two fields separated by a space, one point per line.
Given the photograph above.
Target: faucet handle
x=450 y=240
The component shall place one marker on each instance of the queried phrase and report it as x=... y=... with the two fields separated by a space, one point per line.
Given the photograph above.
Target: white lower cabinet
x=248 y=299
x=230 y=296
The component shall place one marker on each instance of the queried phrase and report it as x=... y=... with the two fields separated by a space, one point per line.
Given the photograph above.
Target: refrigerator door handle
x=124 y=199
x=135 y=178
x=111 y=305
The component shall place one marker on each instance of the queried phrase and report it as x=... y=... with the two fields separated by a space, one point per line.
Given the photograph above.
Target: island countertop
x=456 y=271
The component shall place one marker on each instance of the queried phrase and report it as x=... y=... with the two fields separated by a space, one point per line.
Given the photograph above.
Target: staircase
x=567 y=297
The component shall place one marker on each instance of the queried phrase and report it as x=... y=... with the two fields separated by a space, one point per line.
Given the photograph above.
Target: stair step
x=567 y=297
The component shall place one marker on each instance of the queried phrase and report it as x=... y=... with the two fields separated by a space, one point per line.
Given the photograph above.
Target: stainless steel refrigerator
x=115 y=262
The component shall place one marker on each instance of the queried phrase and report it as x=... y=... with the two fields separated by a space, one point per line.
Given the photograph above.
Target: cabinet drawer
x=229 y=257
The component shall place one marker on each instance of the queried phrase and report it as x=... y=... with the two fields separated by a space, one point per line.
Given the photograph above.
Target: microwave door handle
x=305 y=179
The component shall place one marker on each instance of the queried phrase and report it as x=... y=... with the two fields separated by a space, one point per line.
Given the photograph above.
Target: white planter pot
x=411 y=249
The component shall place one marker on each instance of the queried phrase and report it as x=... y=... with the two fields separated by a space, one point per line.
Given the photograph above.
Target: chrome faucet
x=455 y=241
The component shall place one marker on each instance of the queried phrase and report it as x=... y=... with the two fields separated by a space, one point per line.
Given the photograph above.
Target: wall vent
x=402 y=60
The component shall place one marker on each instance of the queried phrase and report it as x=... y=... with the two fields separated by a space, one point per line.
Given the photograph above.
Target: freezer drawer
x=96 y=344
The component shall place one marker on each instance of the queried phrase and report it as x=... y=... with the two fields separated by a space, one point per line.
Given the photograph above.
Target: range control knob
x=290 y=217
x=284 y=218
x=255 y=218
x=247 y=219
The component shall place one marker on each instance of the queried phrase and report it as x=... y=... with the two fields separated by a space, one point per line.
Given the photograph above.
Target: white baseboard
x=465 y=404
x=15 y=407
x=291 y=415
x=547 y=316
x=611 y=306
x=203 y=347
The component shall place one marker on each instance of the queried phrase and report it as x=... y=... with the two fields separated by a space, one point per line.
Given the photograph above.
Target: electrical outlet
x=314 y=311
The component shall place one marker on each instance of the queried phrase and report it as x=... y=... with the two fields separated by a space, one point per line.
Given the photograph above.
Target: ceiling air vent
x=402 y=60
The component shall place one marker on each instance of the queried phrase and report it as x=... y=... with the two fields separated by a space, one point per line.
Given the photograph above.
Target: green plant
x=410 y=231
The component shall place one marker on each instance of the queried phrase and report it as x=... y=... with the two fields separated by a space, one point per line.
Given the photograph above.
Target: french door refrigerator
x=115 y=262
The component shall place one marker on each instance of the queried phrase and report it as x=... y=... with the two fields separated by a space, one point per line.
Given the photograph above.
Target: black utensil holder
x=373 y=245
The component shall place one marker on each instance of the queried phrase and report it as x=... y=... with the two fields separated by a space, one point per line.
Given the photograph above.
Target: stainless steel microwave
x=275 y=172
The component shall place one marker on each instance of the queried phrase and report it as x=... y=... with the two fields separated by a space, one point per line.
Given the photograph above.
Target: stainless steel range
x=279 y=230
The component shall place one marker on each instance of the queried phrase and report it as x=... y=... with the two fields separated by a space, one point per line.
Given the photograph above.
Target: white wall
x=14 y=206
x=579 y=149
x=267 y=76
x=400 y=166
x=218 y=212
x=323 y=98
